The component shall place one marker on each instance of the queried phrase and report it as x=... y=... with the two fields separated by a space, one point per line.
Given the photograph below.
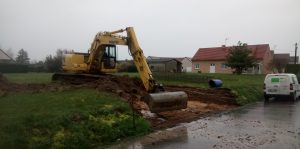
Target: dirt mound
x=4 y=83
x=201 y=102
x=131 y=89
x=3 y=80
x=214 y=95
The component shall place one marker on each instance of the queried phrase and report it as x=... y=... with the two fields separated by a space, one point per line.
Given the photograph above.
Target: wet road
x=275 y=125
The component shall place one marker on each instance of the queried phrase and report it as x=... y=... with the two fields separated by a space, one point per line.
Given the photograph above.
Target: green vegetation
x=86 y=118
x=239 y=58
x=13 y=68
x=29 y=77
x=249 y=88
x=293 y=68
x=81 y=118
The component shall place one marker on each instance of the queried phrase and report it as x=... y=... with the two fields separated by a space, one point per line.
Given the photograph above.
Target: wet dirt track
x=275 y=125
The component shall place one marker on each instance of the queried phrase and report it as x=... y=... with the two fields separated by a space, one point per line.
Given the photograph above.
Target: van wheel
x=293 y=97
x=266 y=98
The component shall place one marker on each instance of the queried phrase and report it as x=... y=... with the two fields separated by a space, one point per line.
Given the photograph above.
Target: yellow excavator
x=101 y=59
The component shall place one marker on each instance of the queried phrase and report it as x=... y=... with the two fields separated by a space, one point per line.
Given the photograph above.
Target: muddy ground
x=201 y=102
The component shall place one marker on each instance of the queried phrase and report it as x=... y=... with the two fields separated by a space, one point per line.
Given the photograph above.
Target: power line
x=296 y=47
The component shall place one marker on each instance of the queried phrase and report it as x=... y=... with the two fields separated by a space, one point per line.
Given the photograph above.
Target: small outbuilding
x=164 y=65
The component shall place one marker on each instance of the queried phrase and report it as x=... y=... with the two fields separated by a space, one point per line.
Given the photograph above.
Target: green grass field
x=85 y=118
x=249 y=88
x=81 y=118
x=29 y=77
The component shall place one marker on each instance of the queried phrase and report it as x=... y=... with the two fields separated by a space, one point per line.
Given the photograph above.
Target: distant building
x=164 y=64
x=280 y=61
x=213 y=60
x=126 y=66
x=186 y=62
x=4 y=58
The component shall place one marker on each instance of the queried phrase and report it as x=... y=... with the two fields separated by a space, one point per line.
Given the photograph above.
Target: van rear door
x=278 y=84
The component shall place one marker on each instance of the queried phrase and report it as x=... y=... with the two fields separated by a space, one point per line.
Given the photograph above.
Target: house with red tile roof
x=212 y=60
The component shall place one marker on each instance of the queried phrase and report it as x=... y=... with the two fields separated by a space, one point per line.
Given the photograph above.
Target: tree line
x=51 y=63
x=239 y=59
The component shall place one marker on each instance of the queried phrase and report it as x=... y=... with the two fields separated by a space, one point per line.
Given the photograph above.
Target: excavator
x=101 y=59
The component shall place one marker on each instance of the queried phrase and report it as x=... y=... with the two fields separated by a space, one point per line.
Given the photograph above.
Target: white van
x=281 y=85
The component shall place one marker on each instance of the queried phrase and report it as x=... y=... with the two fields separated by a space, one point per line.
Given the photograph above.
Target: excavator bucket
x=166 y=101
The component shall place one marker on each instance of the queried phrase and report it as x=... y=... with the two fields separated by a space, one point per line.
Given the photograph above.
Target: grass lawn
x=29 y=77
x=82 y=118
x=85 y=118
x=249 y=88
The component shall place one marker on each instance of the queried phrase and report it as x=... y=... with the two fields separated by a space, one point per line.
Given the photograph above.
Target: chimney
x=223 y=46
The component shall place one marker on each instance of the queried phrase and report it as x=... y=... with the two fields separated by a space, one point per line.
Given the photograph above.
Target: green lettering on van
x=274 y=80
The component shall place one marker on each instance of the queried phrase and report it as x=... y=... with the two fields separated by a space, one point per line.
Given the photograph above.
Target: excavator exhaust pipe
x=166 y=101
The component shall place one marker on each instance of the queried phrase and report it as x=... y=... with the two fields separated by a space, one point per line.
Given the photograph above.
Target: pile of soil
x=3 y=81
x=212 y=95
x=130 y=89
x=201 y=102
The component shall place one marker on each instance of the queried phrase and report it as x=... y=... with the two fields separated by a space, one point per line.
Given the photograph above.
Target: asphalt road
x=274 y=125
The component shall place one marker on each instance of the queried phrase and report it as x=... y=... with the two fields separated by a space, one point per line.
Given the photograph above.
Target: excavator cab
x=109 y=57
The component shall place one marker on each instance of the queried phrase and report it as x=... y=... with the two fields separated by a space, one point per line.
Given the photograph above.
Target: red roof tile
x=220 y=53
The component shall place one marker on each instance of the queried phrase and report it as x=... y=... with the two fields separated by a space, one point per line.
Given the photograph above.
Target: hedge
x=13 y=68
x=293 y=68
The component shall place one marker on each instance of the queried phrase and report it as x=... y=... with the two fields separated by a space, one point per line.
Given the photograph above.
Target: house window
x=197 y=66
x=223 y=66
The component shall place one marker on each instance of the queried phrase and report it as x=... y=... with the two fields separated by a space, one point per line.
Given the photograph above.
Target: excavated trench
x=201 y=102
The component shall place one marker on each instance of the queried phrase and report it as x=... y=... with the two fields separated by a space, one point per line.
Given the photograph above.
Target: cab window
x=109 y=57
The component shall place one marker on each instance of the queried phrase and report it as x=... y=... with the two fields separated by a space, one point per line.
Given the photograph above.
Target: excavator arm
x=110 y=38
x=140 y=62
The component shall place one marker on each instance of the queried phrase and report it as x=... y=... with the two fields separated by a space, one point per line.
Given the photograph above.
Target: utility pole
x=226 y=41
x=296 y=47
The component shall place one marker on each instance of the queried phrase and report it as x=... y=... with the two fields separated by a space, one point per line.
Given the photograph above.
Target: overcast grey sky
x=163 y=27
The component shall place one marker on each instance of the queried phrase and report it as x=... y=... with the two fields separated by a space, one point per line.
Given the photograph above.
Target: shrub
x=13 y=68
